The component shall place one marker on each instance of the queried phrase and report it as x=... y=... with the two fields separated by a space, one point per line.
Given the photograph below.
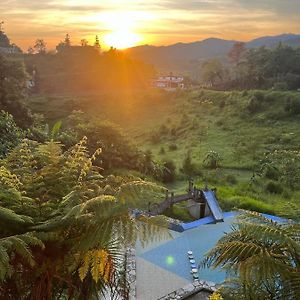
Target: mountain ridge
x=180 y=56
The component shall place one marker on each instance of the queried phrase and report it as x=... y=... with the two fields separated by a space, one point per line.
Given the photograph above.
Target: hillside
x=181 y=57
x=241 y=127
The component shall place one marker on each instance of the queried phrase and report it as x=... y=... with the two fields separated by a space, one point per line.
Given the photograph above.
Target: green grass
x=198 y=121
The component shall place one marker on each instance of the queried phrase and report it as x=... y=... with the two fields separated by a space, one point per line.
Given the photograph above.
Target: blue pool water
x=172 y=255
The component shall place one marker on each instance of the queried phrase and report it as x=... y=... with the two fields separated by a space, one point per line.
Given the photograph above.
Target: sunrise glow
x=122 y=24
x=121 y=39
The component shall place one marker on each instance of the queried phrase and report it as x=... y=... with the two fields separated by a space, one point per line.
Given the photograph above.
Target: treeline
x=258 y=68
x=84 y=68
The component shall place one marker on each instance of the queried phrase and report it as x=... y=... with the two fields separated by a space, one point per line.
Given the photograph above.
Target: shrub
x=230 y=178
x=212 y=160
x=292 y=106
x=188 y=166
x=173 y=147
x=169 y=171
x=162 y=151
x=163 y=129
x=220 y=123
x=9 y=132
x=254 y=105
x=272 y=173
x=222 y=104
x=274 y=187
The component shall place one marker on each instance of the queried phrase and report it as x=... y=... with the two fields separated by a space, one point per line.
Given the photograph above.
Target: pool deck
x=154 y=282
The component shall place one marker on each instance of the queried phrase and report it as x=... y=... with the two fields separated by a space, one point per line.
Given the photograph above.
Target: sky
x=125 y=23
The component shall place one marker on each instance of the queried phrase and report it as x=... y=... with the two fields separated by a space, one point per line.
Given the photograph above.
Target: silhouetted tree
x=40 y=46
x=237 y=52
x=67 y=41
x=97 y=43
x=84 y=43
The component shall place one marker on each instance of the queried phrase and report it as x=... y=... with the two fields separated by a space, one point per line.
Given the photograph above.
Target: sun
x=121 y=39
x=121 y=28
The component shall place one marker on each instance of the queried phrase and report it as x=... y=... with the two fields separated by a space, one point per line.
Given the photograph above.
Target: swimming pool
x=172 y=255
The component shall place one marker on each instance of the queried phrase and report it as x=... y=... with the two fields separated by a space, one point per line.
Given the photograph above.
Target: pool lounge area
x=164 y=266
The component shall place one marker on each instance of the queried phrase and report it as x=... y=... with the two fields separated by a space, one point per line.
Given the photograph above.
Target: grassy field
x=239 y=126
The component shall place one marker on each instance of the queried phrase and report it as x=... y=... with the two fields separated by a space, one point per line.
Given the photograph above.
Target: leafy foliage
x=212 y=159
x=262 y=255
x=64 y=226
x=12 y=91
x=10 y=133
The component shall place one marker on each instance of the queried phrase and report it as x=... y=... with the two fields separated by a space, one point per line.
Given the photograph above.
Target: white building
x=169 y=82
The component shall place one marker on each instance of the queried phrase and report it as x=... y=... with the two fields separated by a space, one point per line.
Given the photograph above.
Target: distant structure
x=31 y=81
x=5 y=46
x=169 y=82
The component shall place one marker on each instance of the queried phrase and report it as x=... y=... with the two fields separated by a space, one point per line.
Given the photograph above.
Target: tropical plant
x=284 y=164
x=10 y=133
x=262 y=257
x=63 y=226
x=212 y=159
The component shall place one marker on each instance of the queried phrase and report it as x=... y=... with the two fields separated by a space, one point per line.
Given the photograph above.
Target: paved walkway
x=154 y=282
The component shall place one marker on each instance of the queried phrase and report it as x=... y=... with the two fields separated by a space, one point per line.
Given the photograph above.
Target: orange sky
x=123 y=23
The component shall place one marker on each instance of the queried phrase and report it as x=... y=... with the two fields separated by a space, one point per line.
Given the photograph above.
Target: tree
x=67 y=40
x=213 y=71
x=84 y=43
x=118 y=151
x=237 y=52
x=40 y=46
x=4 y=40
x=30 y=50
x=264 y=256
x=12 y=91
x=97 y=43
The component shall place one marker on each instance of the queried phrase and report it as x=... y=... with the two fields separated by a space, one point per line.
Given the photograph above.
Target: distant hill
x=181 y=57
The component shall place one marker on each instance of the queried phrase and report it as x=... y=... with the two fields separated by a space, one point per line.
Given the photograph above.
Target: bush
x=292 y=106
x=272 y=173
x=212 y=160
x=162 y=151
x=231 y=179
x=10 y=133
x=254 y=105
x=169 y=172
x=222 y=104
x=274 y=187
x=173 y=147
x=188 y=167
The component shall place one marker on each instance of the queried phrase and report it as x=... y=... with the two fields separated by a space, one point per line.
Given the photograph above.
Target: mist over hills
x=181 y=57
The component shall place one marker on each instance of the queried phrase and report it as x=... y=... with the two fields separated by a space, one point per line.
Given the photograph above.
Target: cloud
x=169 y=21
